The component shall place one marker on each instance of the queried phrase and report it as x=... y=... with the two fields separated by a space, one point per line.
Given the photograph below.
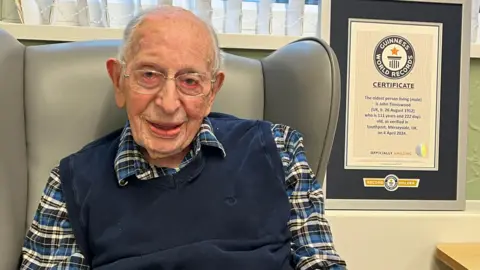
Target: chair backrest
x=13 y=155
x=69 y=102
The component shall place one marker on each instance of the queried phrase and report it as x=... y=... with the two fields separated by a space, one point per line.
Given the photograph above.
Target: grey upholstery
x=13 y=159
x=68 y=102
x=302 y=90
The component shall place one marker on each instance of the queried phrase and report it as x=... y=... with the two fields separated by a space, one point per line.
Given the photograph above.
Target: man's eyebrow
x=150 y=65
x=164 y=70
x=188 y=70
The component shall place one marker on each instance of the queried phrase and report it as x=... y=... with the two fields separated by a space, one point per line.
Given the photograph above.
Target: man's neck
x=173 y=161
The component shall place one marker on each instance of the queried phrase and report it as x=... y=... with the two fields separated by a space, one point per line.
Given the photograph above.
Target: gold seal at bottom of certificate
x=391 y=182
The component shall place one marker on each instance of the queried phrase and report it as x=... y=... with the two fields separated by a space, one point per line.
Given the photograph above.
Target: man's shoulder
x=228 y=122
x=89 y=158
x=104 y=141
x=285 y=133
x=224 y=117
x=229 y=119
x=279 y=131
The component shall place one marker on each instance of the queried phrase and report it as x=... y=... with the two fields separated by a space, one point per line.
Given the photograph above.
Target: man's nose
x=167 y=98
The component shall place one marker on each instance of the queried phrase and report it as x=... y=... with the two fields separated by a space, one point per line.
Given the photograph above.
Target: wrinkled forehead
x=173 y=43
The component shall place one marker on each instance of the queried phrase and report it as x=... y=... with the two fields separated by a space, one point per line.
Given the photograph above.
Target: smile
x=165 y=130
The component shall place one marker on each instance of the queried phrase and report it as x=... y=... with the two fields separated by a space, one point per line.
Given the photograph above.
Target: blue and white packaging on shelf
x=233 y=17
x=264 y=17
x=92 y=13
x=203 y=9
x=294 y=17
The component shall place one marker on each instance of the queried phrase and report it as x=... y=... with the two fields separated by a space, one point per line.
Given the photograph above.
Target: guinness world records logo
x=391 y=182
x=394 y=57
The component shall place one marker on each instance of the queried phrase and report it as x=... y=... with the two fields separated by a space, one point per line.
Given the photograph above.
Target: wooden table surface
x=459 y=256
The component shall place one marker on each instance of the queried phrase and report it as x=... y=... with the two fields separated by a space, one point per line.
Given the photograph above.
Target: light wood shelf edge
x=76 y=33
x=475 y=50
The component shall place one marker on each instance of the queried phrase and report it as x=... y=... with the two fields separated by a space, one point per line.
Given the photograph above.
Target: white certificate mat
x=393 y=95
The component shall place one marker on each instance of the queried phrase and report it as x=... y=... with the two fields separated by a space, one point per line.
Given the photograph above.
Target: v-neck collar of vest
x=129 y=160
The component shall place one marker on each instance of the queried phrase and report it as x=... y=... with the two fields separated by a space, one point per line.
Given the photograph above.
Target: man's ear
x=114 y=69
x=216 y=86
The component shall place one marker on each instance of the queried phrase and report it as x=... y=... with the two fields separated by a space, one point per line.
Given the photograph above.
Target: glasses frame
x=212 y=81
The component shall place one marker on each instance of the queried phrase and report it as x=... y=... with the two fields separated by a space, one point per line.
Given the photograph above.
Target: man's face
x=164 y=120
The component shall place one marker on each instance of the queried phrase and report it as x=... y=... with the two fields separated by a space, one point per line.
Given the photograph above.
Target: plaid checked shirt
x=50 y=242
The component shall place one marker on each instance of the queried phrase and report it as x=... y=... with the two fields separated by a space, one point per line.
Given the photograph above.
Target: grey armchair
x=56 y=98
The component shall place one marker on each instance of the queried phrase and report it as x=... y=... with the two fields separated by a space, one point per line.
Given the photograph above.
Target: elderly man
x=179 y=187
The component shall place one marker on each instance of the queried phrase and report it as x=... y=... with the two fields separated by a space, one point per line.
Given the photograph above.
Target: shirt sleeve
x=50 y=242
x=312 y=243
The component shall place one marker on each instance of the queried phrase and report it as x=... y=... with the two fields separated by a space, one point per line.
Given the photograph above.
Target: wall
x=395 y=240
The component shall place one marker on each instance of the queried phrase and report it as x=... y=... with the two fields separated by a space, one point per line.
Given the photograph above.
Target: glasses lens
x=191 y=84
x=149 y=80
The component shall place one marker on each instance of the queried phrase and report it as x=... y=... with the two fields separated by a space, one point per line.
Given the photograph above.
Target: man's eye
x=149 y=75
x=191 y=81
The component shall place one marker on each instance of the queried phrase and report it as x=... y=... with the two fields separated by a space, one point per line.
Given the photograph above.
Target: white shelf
x=77 y=33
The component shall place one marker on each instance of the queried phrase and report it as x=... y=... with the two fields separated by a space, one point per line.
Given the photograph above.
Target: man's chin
x=161 y=151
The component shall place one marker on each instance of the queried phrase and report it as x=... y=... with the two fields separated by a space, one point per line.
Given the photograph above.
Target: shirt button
x=231 y=200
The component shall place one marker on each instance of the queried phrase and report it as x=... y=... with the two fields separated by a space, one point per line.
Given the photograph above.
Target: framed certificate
x=401 y=135
x=392 y=109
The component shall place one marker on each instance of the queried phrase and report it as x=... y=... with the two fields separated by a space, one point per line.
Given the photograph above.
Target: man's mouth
x=165 y=130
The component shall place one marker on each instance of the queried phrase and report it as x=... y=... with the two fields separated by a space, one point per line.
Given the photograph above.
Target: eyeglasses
x=151 y=81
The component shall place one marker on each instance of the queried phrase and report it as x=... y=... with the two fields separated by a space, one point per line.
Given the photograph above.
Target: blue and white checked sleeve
x=50 y=242
x=312 y=243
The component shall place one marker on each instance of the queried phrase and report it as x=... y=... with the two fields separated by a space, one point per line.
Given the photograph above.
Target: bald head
x=172 y=25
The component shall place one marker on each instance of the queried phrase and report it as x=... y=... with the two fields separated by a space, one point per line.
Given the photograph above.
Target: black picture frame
x=443 y=189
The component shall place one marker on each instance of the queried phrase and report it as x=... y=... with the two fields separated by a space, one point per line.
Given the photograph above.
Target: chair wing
x=13 y=161
x=302 y=90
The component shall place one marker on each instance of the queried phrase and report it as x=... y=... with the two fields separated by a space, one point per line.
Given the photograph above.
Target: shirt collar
x=130 y=160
